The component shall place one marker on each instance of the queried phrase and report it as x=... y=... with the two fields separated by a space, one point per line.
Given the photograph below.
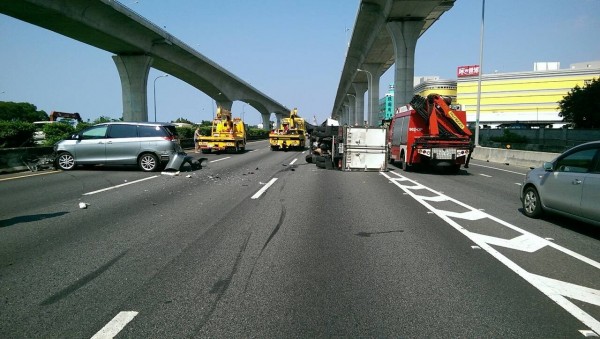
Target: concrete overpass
x=385 y=33
x=138 y=45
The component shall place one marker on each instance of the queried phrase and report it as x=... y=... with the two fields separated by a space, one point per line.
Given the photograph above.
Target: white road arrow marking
x=525 y=242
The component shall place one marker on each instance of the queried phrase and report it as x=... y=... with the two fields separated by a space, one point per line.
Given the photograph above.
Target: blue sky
x=292 y=51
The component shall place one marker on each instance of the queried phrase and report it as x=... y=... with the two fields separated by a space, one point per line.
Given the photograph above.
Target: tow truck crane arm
x=442 y=119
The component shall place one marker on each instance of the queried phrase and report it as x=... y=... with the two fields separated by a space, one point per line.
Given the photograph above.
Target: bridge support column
x=360 y=88
x=351 y=109
x=266 y=120
x=133 y=71
x=225 y=104
x=373 y=96
x=404 y=37
x=278 y=117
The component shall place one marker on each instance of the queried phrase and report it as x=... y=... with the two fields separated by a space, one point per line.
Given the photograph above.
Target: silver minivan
x=568 y=185
x=145 y=144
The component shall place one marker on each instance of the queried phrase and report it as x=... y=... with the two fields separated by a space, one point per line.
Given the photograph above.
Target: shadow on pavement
x=29 y=218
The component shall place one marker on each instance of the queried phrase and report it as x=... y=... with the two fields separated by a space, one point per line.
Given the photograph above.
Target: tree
x=581 y=106
x=20 y=111
x=184 y=121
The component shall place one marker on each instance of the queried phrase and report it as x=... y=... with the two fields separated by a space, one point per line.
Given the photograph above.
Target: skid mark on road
x=558 y=291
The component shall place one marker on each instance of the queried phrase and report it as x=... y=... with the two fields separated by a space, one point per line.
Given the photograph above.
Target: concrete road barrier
x=512 y=157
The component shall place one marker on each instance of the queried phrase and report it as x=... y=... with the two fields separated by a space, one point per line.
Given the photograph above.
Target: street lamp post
x=160 y=76
x=371 y=85
x=479 y=77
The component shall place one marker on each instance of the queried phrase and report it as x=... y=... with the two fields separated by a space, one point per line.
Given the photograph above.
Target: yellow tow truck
x=227 y=134
x=291 y=133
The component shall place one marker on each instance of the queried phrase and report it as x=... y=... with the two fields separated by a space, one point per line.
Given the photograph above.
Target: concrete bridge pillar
x=360 y=88
x=374 y=71
x=351 y=109
x=225 y=104
x=343 y=115
x=266 y=120
x=404 y=37
x=278 y=117
x=133 y=71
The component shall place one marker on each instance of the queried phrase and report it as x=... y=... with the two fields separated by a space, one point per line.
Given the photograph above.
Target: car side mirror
x=548 y=166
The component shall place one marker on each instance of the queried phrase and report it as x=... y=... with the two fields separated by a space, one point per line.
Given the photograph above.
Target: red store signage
x=467 y=71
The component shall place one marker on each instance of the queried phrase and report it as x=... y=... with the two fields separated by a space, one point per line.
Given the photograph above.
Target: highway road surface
x=263 y=244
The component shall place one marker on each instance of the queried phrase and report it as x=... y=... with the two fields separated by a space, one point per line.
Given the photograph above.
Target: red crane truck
x=427 y=132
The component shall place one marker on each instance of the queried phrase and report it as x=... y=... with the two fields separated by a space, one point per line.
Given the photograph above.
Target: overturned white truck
x=349 y=148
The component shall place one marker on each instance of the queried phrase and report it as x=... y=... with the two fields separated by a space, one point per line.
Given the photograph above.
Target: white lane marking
x=264 y=188
x=485 y=175
x=557 y=291
x=121 y=185
x=293 y=161
x=498 y=169
x=216 y=160
x=115 y=326
x=588 y=333
x=518 y=183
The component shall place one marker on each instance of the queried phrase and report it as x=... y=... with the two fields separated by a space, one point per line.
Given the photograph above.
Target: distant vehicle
x=38 y=135
x=67 y=118
x=71 y=118
x=226 y=134
x=568 y=185
x=145 y=144
x=291 y=133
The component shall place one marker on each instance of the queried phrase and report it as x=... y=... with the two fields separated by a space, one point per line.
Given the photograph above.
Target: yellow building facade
x=526 y=97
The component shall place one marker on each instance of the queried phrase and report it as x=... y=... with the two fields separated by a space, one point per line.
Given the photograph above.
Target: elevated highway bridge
x=138 y=45
x=385 y=33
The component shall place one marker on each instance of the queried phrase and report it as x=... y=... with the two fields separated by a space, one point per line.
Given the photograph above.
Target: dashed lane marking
x=496 y=168
x=115 y=326
x=263 y=189
x=121 y=185
x=485 y=175
x=217 y=160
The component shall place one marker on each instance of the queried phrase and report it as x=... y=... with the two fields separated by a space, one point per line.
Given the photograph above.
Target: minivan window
x=151 y=131
x=96 y=132
x=122 y=131
x=172 y=130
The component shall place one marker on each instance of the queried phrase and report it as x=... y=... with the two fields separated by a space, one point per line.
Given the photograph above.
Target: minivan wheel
x=532 y=206
x=148 y=162
x=65 y=161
